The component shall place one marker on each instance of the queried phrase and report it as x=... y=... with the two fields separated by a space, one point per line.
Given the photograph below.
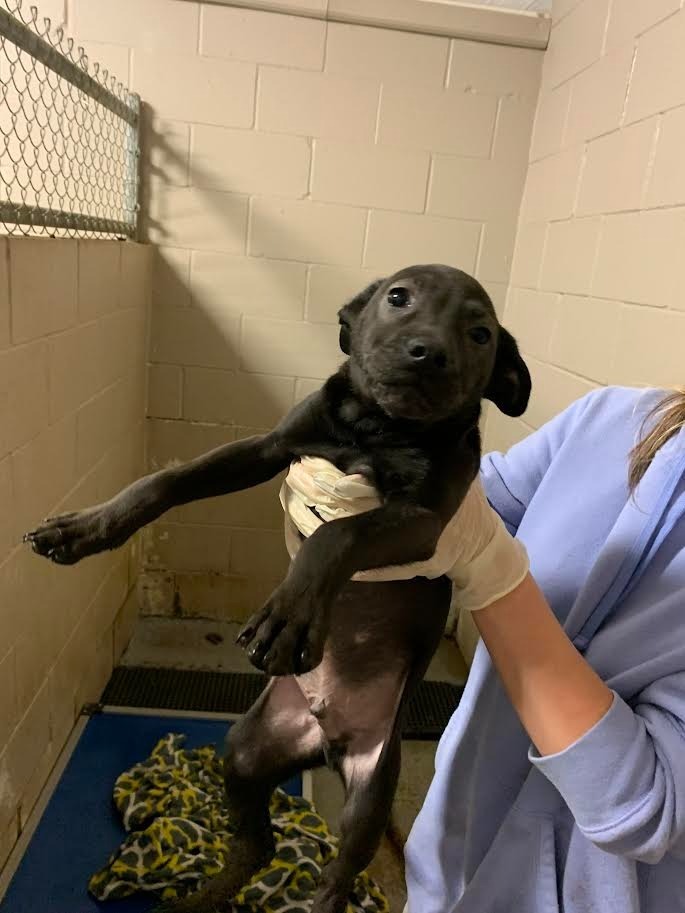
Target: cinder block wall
x=596 y=291
x=72 y=373
x=293 y=160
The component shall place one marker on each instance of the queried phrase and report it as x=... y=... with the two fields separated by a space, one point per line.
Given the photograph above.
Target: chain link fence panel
x=69 y=135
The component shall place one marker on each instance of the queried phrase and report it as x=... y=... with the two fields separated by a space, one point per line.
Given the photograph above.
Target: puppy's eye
x=398 y=297
x=481 y=335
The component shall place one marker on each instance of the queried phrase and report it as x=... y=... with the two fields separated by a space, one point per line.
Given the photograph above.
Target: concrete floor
x=210 y=646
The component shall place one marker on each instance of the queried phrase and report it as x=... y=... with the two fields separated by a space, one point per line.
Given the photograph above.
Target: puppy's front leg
x=69 y=538
x=287 y=636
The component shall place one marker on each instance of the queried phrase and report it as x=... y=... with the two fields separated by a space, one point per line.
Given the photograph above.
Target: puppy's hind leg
x=370 y=770
x=275 y=740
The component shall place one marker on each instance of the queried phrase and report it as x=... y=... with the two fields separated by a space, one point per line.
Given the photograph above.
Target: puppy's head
x=426 y=343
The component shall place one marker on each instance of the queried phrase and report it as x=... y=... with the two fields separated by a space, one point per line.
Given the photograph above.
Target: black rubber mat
x=229 y=692
x=181 y=689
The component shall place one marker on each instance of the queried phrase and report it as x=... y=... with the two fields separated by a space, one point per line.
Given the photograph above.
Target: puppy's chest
x=396 y=461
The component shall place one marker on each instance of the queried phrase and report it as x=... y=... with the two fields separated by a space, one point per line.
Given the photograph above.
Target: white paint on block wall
x=529 y=5
x=602 y=221
x=72 y=405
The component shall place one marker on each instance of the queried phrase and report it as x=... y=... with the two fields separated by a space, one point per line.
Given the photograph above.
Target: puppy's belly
x=349 y=710
x=379 y=633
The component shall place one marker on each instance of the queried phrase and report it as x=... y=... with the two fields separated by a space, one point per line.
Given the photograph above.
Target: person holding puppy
x=560 y=780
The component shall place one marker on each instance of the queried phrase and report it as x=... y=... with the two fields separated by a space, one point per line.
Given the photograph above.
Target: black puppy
x=424 y=348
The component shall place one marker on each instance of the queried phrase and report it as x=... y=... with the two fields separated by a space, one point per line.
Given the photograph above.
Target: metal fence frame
x=59 y=54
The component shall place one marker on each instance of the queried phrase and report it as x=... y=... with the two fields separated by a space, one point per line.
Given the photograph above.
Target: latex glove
x=475 y=549
x=313 y=482
x=489 y=562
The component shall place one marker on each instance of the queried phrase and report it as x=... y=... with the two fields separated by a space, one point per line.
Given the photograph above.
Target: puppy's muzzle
x=421 y=352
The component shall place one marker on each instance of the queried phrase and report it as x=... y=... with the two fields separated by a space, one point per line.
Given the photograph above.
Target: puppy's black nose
x=426 y=352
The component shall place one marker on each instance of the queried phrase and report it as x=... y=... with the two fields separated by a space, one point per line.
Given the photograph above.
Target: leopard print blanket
x=171 y=806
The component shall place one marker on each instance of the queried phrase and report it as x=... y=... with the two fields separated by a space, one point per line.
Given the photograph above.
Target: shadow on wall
x=210 y=382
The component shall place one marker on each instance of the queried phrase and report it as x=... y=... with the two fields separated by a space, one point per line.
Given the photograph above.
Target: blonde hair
x=668 y=417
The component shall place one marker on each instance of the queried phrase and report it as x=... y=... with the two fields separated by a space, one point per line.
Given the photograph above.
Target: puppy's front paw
x=70 y=537
x=287 y=636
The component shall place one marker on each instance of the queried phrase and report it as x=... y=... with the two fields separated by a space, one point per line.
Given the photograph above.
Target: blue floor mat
x=81 y=828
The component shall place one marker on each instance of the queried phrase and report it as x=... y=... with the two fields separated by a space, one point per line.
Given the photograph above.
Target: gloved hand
x=488 y=562
x=475 y=550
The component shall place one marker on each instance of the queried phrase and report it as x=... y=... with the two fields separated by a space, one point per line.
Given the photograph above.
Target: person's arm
x=618 y=765
x=556 y=694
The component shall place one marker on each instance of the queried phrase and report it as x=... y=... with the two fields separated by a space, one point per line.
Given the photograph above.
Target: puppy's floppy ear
x=509 y=386
x=349 y=313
